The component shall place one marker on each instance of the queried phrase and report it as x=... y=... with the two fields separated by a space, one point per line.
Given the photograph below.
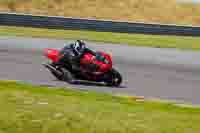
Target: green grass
x=33 y=109
x=180 y=42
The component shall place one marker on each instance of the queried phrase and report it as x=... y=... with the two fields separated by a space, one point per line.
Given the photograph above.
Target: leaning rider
x=72 y=53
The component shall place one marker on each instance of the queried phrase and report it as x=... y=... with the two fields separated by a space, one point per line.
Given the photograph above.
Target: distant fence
x=12 y=19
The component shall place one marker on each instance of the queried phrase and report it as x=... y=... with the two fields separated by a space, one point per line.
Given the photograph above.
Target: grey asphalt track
x=166 y=74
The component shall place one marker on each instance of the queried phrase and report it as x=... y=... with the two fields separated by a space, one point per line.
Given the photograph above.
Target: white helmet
x=78 y=46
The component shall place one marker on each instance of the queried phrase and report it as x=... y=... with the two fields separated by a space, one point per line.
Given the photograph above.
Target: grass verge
x=191 y=43
x=33 y=109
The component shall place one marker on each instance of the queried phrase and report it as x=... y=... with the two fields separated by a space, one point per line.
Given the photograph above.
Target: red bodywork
x=52 y=54
x=103 y=67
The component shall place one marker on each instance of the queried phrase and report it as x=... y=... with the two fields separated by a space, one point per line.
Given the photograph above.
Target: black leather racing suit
x=67 y=54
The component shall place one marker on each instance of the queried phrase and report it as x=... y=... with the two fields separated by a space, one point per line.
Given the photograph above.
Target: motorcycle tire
x=115 y=78
x=60 y=73
x=67 y=76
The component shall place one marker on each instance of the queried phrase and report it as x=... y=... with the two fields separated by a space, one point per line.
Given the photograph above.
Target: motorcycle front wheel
x=114 y=78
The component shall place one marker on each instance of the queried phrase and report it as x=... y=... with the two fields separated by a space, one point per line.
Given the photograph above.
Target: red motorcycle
x=104 y=71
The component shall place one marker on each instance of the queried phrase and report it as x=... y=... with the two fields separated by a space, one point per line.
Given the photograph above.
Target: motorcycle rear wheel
x=67 y=76
x=60 y=73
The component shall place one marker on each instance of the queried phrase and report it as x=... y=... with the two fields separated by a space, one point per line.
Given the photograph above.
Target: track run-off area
x=166 y=74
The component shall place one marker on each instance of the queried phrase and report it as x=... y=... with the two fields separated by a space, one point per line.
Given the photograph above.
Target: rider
x=73 y=53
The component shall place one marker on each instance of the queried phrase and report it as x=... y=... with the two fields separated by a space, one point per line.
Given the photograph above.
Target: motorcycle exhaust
x=52 y=69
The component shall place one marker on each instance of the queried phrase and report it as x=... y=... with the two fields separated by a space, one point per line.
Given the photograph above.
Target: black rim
x=114 y=80
x=117 y=80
